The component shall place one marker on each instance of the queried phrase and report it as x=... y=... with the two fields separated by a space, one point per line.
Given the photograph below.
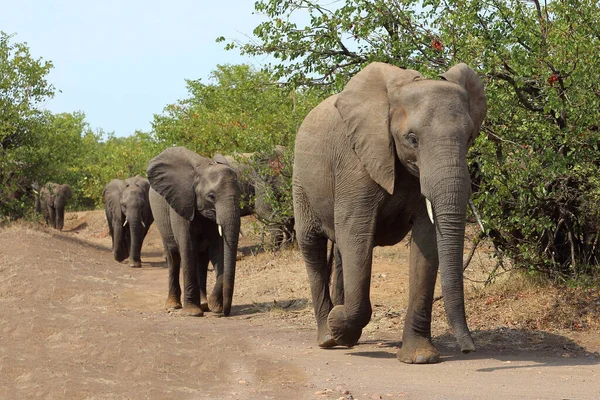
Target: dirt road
x=75 y=324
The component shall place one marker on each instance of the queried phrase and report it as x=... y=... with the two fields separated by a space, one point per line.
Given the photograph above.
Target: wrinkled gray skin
x=253 y=189
x=366 y=159
x=51 y=203
x=190 y=196
x=129 y=217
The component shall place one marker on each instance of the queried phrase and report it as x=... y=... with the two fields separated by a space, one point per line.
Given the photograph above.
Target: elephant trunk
x=135 y=227
x=228 y=218
x=447 y=186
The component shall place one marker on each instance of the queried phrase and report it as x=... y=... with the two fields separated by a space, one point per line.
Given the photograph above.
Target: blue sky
x=121 y=61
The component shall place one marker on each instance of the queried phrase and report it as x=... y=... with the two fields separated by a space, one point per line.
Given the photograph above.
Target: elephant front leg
x=314 y=251
x=51 y=220
x=416 y=338
x=191 y=291
x=215 y=301
x=337 y=278
x=346 y=320
x=173 y=263
x=203 y=260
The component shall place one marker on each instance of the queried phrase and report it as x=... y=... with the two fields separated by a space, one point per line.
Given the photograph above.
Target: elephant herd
x=384 y=157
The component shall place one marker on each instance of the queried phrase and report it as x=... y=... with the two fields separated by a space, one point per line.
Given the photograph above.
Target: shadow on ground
x=507 y=345
x=61 y=235
x=272 y=306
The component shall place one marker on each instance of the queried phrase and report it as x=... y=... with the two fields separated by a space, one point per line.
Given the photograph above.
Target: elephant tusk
x=429 y=209
x=220 y=230
x=125 y=223
x=143 y=224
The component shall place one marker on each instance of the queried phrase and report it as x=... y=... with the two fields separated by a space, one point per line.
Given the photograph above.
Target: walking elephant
x=384 y=157
x=51 y=203
x=258 y=188
x=195 y=202
x=129 y=217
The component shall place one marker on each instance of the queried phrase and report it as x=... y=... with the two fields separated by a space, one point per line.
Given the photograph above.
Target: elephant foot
x=324 y=339
x=418 y=351
x=173 y=303
x=215 y=303
x=204 y=306
x=191 y=310
x=342 y=332
x=135 y=264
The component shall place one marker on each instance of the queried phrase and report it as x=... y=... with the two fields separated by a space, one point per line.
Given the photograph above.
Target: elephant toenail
x=433 y=359
x=420 y=359
x=407 y=360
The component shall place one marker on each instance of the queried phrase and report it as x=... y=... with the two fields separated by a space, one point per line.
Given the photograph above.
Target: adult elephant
x=129 y=217
x=258 y=189
x=51 y=203
x=195 y=202
x=386 y=156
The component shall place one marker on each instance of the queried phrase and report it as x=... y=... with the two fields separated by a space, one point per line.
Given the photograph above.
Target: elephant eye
x=412 y=140
x=211 y=196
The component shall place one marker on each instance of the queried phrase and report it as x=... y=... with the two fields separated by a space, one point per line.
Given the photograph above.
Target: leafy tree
x=112 y=158
x=535 y=166
x=242 y=111
x=23 y=88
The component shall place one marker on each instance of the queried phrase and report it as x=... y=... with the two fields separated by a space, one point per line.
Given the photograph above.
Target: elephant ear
x=112 y=197
x=364 y=106
x=65 y=191
x=172 y=173
x=464 y=76
x=143 y=184
x=220 y=159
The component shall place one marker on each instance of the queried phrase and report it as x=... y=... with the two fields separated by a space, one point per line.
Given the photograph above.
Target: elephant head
x=53 y=199
x=240 y=163
x=197 y=187
x=129 y=216
x=428 y=125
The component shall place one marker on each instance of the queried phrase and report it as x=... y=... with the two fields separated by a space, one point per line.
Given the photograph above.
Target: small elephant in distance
x=195 y=202
x=51 y=203
x=129 y=217
x=384 y=157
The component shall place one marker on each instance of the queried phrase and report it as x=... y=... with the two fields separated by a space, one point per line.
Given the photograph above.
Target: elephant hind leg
x=173 y=263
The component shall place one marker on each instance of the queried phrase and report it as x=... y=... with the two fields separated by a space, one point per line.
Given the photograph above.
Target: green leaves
x=242 y=111
x=23 y=87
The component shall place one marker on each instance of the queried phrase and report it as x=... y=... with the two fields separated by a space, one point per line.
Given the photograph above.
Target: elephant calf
x=51 y=203
x=195 y=202
x=129 y=217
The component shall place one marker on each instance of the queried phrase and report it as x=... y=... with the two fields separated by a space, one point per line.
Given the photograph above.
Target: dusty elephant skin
x=386 y=156
x=195 y=202
x=51 y=203
x=129 y=217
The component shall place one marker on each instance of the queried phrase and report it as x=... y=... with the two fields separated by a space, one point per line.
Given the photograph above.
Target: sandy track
x=75 y=324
